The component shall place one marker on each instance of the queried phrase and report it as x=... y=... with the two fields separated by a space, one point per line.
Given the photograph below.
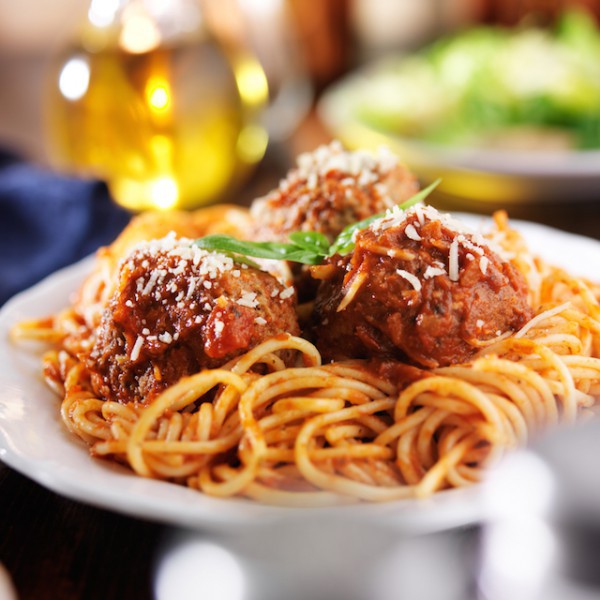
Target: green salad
x=491 y=86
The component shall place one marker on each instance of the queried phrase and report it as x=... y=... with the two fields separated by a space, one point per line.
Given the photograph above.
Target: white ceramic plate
x=475 y=174
x=34 y=441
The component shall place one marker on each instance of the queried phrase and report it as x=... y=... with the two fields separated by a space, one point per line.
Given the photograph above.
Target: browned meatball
x=417 y=286
x=178 y=309
x=331 y=188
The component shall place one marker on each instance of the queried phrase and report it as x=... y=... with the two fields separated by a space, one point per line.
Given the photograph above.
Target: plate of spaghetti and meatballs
x=342 y=342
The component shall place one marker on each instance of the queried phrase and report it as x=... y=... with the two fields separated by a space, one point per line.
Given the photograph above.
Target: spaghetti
x=298 y=432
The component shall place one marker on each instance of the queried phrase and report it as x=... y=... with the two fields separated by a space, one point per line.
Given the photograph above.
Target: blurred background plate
x=478 y=175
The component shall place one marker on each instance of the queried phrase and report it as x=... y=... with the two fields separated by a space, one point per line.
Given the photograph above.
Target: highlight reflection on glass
x=139 y=32
x=158 y=94
x=74 y=78
x=101 y=13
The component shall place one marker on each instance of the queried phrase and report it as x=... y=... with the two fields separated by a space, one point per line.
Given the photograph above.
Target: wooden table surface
x=60 y=549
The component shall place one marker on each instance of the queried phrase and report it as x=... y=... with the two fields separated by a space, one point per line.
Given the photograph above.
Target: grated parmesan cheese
x=483 y=264
x=431 y=272
x=359 y=168
x=248 y=299
x=412 y=233
x=411 y=278
x=135 y=351
x=453 y=261
x=165 y=337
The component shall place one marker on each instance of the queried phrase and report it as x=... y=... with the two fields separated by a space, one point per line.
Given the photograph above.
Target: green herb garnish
x=306 y=247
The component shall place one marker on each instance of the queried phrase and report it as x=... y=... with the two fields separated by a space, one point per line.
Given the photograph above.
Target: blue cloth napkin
x=48 y=221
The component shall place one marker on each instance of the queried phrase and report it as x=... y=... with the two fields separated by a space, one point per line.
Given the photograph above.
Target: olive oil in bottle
x=156 y=107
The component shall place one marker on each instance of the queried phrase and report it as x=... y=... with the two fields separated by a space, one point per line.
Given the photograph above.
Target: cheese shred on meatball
x=331 y=188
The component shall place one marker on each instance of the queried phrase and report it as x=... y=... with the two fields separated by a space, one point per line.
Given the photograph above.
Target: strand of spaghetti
x=279 y=420
x=235 y=483
x=333 y=482
x=460 y=475
x=384 y=473
x=351 y=288
x=359 y=372
x=376 y=423
x=407 y=457
x=174 y=427
x=523 y=374
x=275 y=344
x=225 y=404
x=569 y=402
x=516 y=422
x=555 y=384
x=580 y=290
x=253 y=447
x=116 y=410
x=278 y=497
x=270 y=386
x=498 y=381
x=216 y=446
x=287 y=435
x=87 y=413
x=405 y=424
x=308 y=404
x=41 y=330
x=434 y=478
x=76 y=394
x=106 y=448
x=241 y=365
x=174 y=398
x=53 y=372
x=591 y=363
x=561 y=343
x=445 y=386
x=119 y=431
x=173 y=471
x=336 y=433
x=425 y=442
x=348 y=452
x=539 y=318
x=457 y=406
x=349 y=395
x=587 y=321
x=358 y=472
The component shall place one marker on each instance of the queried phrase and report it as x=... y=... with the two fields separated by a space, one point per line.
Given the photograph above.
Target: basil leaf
x=306 y=247
x=269 y=250
x=314 y=241
x=226 y=243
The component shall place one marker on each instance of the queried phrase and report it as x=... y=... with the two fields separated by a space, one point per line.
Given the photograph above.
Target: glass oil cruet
x=148 y=100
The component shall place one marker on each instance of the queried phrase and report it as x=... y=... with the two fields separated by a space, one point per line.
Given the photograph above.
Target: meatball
x=330 y=189
x=420 y=287
x=178 y=309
